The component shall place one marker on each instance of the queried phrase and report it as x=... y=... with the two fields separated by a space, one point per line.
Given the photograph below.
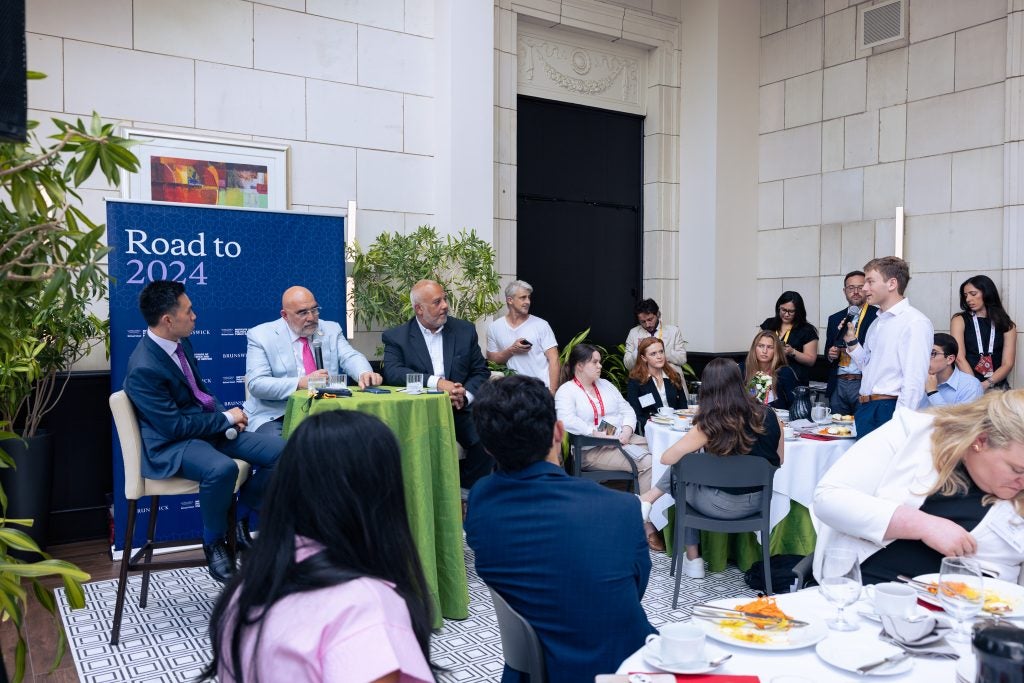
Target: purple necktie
x=205 y=400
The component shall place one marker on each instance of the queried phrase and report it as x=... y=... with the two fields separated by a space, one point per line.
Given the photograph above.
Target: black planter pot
x=28 y=487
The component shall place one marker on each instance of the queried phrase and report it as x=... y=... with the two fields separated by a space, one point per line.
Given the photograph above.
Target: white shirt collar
x=169 y=347
x=427 y=332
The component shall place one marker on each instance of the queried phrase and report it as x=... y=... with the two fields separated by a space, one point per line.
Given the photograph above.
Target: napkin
x=818 y=437
x=927 y=636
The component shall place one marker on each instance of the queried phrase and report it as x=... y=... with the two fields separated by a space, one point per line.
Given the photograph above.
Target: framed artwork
x=187 y=169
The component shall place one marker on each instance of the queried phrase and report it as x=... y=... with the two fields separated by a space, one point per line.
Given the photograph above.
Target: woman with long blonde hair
x=946 y=481
x=766 y=359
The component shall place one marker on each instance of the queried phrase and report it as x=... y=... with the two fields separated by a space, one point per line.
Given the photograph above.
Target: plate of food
x=837 y=432
x=1001 y=597
x=763 y=625
x=658 y=419
x=843 y=419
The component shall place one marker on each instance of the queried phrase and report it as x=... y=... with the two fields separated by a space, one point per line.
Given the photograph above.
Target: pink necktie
x=205 y=400
x=307 y=356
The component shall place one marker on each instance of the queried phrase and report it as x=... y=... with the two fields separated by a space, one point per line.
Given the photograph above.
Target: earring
x=976 y=448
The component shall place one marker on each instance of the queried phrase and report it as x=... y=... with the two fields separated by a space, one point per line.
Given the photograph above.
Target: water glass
x=840 y=584
x=338 y=381
x=961 y=592
x=316 y=383
x=414 y=383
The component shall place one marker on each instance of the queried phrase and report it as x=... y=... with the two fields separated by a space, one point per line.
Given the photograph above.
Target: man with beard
x=844 y=374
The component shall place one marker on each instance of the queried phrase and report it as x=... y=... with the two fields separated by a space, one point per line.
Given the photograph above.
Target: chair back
x=131 y=444
x=709 y=469
x=519 y=642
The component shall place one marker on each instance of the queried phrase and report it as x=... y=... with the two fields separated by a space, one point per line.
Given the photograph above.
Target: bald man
x=279 y=359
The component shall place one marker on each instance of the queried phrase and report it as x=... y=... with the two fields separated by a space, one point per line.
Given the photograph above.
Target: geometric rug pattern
x=168 y=640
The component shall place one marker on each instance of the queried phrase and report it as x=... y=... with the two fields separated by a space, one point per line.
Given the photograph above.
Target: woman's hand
x=625 y=436
x=947 y=538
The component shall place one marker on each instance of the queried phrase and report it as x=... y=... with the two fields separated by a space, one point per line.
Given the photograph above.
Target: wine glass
x=840 y=584
x=961 y=592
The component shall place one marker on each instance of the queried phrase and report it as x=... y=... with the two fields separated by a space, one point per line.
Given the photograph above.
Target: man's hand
x=520 y=346
x=833 y=353
x=456 y=392
x=317 y=374
x=370 y=379
x=948 y=538
x=931 y=383
x=240 y=419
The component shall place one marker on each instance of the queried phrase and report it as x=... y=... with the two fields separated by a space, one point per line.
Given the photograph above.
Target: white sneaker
x=645 y=510
x=693 y=568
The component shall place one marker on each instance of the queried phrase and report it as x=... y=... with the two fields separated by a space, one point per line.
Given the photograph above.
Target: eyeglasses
x=936 y=354
x=306 y=312
x=787 y=311
x=854 y=288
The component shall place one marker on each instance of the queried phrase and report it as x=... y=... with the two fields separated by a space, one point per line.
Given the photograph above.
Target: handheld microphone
x=318 y=353
x=231 y=434
x=851 y=313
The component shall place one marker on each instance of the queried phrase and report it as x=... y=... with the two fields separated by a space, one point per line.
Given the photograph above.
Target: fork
x=728 y=617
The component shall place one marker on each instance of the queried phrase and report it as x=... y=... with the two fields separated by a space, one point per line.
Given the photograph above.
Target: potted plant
x=51 y=270
x=383 y=275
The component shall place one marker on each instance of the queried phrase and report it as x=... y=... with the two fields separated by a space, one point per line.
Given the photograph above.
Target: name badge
x=646 y=400
x=1007 y=525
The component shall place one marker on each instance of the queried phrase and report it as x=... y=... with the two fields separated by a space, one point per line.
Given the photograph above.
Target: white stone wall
x=933 y=123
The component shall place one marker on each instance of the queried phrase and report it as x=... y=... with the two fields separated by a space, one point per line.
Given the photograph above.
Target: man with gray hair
x=523 y=342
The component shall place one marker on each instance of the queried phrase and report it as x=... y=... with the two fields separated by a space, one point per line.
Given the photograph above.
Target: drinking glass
x=961 y=592
x=414 y=383
x=840 y=584
x=315 y=383
x=337 y=381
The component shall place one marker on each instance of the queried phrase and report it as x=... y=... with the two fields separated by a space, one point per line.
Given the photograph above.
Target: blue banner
x=235 y=264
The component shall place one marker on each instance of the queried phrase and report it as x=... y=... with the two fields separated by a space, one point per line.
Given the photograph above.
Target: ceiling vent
x=880 y=24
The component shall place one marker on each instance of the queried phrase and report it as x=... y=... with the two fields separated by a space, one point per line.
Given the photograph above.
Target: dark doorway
x=580 y=181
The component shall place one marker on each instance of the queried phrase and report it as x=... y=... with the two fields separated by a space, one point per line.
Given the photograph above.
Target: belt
x=849 y=376
x=877 y=397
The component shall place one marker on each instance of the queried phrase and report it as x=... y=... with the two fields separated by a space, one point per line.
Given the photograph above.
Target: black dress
x=971 y=350
x=787 y=382
x=798 y=337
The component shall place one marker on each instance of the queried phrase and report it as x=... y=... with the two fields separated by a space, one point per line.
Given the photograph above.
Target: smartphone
x=526 y=342
x=376 y=390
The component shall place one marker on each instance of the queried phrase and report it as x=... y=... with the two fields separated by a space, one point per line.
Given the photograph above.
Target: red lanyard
x=592 y=404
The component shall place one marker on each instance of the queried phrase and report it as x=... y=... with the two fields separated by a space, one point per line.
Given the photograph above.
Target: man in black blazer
x=844 y=374
x=446 y=352
x=184 y=427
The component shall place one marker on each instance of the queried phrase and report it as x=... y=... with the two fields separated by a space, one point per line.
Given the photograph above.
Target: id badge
x=985 y=366
x=647 y=400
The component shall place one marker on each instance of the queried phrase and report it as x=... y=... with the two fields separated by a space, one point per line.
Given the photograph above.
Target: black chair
x=578 y=442
x=519 y=642
x=718 y=471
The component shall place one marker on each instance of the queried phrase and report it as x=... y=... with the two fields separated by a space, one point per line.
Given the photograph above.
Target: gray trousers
x=844 y=399
x=715 y=502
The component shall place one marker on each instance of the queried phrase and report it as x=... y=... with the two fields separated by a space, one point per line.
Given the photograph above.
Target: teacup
x=788 y=432
x=666 y=411
x=893 y=599
x=679 y=644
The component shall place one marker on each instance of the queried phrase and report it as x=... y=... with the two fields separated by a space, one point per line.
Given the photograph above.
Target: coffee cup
x=894 y=599
x=679 y=644
x=666 y=411
x=788 y=432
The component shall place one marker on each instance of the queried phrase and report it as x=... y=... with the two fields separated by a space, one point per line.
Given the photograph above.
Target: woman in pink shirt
x=333 y=589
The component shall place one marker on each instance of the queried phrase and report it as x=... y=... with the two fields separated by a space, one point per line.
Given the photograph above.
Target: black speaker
x=13 y=88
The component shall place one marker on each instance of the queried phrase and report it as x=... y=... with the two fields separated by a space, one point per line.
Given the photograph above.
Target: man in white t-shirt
x=523 y=342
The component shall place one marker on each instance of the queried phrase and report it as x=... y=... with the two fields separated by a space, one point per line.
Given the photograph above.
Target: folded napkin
x=924 y=637
x=803 y=424
x=819 y=437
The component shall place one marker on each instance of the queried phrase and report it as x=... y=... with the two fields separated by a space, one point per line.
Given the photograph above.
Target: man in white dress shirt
x=279 y=358
x=896 y=352
x=648 y=315
x=524 y=342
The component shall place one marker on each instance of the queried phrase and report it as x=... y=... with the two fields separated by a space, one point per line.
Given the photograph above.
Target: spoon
x=718 y=662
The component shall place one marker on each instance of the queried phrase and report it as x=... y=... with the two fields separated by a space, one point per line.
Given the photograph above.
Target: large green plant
x=50 y=270
x=383 y=275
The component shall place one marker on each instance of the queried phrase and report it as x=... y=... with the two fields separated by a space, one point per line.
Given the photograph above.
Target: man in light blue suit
x=279 y=359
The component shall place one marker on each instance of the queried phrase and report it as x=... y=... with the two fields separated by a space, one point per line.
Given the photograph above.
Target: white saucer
x=651 y=656
x=868 y=612
x=847 y=656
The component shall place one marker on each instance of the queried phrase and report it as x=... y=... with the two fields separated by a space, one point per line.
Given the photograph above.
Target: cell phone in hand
x=526 y=342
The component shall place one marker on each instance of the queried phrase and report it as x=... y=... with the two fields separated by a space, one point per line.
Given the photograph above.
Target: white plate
x=680 y=427
x=793 y=639
x=818 y=432
x=1010 y=592
x=846 y=656
x=663 y=420
x=868 y=612
x=651 y=656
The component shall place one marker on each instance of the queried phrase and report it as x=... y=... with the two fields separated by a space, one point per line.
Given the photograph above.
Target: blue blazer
x=571 y=557
x=405 y=352
x=169 y=415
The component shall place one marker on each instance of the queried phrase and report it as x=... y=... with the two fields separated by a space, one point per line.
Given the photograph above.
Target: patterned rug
x=167 y=641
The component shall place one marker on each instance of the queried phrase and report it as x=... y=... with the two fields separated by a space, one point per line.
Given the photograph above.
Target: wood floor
x=40 y=627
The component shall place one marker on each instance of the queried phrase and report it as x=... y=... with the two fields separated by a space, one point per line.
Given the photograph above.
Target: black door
x=580 y=180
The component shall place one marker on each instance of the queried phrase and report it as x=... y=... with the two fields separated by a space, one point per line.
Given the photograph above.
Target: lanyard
x=652 y=334
x=991 y=336
x=785 y=337
x=592 y=404
x=860 y=319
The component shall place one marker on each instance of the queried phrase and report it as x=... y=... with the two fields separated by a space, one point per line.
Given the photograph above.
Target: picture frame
x=193 y=169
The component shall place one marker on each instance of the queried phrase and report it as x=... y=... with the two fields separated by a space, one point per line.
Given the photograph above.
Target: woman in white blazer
x=948 y=481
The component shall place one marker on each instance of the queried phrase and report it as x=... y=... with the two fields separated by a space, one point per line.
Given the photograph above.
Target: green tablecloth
x=794 y=535
x=430 y=469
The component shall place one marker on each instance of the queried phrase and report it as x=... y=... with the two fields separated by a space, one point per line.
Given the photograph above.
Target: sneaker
x=693 y=568
x=645 y=510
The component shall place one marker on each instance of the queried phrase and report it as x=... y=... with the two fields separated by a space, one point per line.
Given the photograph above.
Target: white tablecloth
x=810 y=605
x=805 y=462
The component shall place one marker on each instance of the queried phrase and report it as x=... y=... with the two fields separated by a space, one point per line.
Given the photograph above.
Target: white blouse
x=576 y=411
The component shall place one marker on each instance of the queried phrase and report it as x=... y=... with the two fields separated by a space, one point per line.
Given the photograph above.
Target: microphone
x=851 y=313
x=316 y=343
x=231 y=434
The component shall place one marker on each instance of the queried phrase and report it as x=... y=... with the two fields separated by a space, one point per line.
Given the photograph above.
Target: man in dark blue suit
x=184 y=427
x=446 y=352
x=844 y=374
x=567 y=554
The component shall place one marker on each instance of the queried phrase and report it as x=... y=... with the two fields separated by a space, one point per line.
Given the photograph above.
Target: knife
x=796 y=623
x=892 y=659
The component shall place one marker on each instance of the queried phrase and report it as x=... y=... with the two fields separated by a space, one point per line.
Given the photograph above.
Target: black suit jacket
x=405 y=352
x=169 y=414
x=634 y=390
x=832 y=335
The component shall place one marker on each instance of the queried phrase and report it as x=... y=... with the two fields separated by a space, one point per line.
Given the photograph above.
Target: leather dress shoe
x=219 y=561
x=243 y=540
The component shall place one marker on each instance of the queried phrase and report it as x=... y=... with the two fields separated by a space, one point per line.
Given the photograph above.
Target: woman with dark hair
x=799 y=337
x=985 y=333
x=333 y=588
x=653 y=383
x=765 y=373
x=729 y=423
